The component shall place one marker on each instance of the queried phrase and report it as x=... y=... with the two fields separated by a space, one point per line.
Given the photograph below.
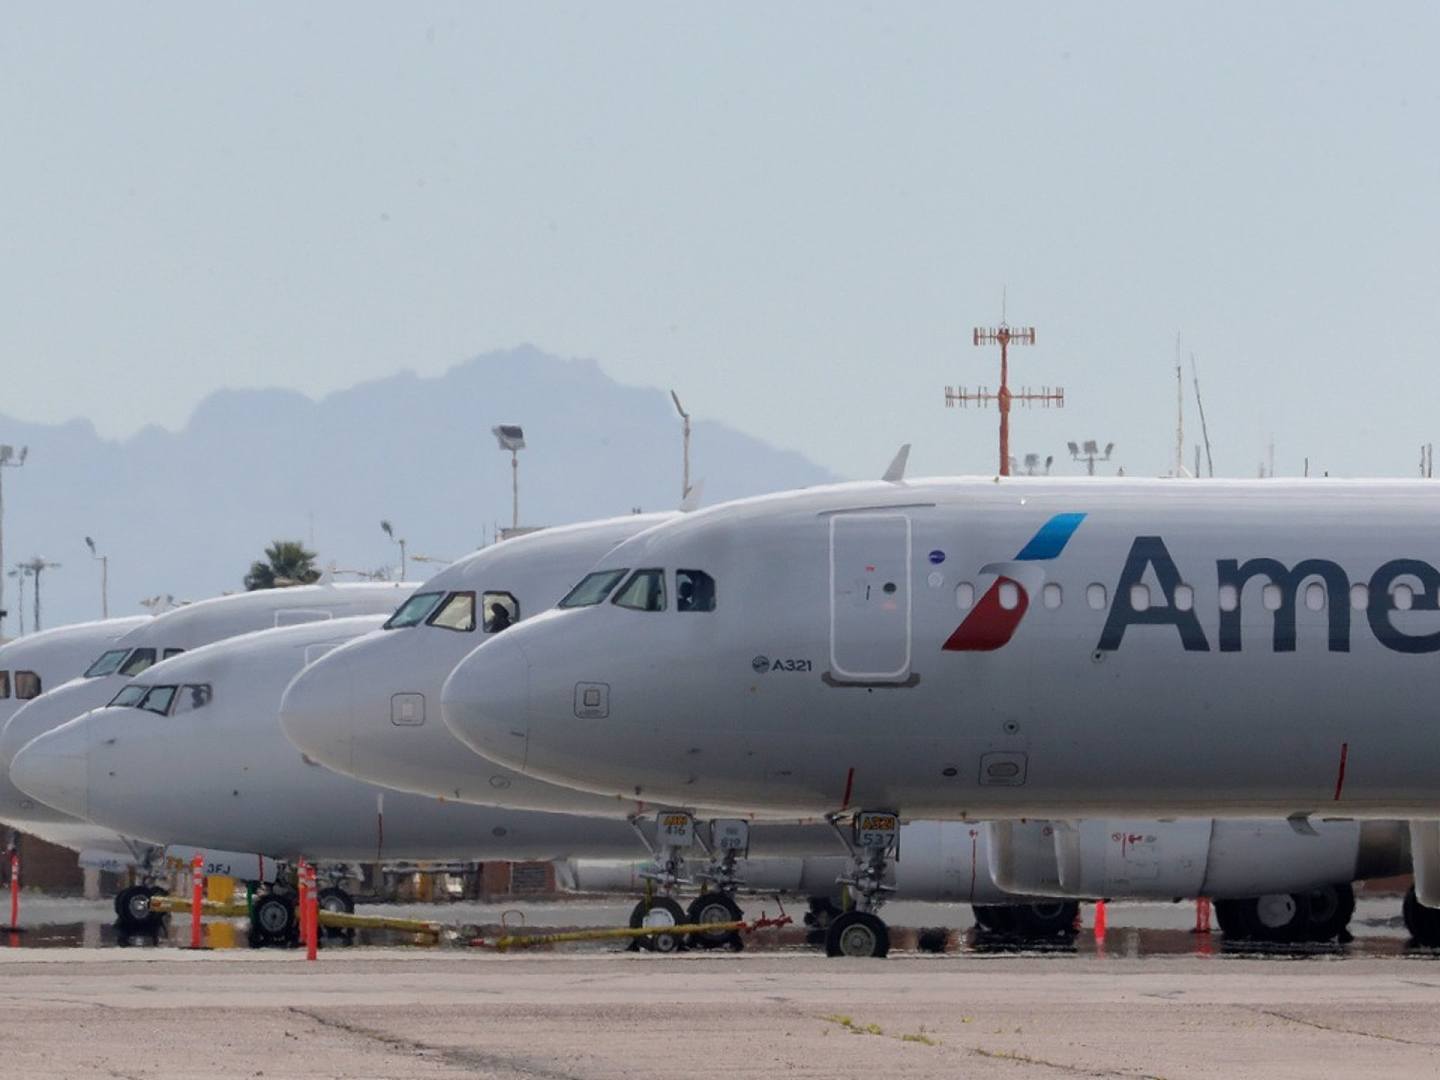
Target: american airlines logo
x=993 y=621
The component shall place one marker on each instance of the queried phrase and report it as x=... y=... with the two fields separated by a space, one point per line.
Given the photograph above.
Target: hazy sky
x=793 y=213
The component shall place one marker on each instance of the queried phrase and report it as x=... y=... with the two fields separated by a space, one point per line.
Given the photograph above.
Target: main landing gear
x=675 y=834
x=873 y=841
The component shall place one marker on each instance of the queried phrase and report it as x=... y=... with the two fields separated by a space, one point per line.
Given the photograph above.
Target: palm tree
x=287 y=563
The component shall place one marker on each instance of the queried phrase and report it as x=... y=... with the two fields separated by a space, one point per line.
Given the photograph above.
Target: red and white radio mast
x=1004 y=336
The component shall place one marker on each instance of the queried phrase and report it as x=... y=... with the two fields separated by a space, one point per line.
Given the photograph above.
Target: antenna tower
x=1004 y=336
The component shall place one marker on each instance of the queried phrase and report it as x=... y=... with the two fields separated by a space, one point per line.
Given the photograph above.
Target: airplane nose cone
x=317 y=712
x=35 y=718
x=54 y=768
x=486 y=702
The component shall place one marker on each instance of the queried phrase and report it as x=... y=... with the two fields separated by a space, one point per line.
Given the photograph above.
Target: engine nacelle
x=1221 y=858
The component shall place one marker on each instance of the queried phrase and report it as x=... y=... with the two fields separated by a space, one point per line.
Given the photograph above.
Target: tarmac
x=1150 y=1000
x=401 y=1013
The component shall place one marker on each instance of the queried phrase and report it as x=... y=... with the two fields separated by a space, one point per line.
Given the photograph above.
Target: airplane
x=114 y=660
x=992 y=648
x=29 y=666
x=346 y=710
x=244 y=788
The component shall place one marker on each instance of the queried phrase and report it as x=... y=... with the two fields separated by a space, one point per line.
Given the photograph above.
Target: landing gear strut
x=674 y=834
x=729 y=842
x=873 y=841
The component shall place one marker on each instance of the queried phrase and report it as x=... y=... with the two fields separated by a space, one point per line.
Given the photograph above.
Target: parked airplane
x=1008 y=648
x=29 y=666
x=243 y=787
x=370 y=709
x=115 y=661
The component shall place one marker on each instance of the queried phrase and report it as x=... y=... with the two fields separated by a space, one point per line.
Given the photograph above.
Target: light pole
x=20 y=572
x=104 y=577
x=1090 y=453
x=685 y=429
x=511 y=437
x=390 y=532
x=37 y=566
x=8 y=460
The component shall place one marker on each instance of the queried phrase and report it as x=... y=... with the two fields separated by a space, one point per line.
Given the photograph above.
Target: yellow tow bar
x=609 y=933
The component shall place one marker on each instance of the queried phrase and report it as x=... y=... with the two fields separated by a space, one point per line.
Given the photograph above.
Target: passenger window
x=1009 y=595
x=413 y=611
x=1051 y=596
x=138 y=661
x=501 y=610
x=171 y=652
x=107 y=664
x=964 y=596
x=27 y=685
x=1229 y=598
x=694 y=591
x=1403 y=595
x=158 y=699
x=1184 y=598
x=4 y=685
x=1315 y=596
x=645 y=591
x=456 y=613
x=129 y=696
x=593 y=588
x=1140 y=597
x=193 y=697
x=1360 y=597
x=1095 y=596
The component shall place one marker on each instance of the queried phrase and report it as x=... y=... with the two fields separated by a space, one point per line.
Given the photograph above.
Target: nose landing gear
x=873 y=841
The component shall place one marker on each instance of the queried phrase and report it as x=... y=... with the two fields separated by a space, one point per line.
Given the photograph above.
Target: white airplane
x=244 y=788
x=29 y=666
x=367 y=709
x=371 y=708
x=114 y=660
x=993 y=648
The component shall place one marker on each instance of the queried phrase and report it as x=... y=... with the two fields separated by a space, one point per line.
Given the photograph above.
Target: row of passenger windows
x=164 y=700
x=644 y=590
x=27 y=685
x=456 y=611
x=1315 y=596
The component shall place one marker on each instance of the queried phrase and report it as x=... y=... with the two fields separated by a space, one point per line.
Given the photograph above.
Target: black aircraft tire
x=1046 y=918
x=1331 y=907
x=660 y=911
x=1278 y=918
x=995 y=918
x=858 y=934
x=715 y=907
x=1422 y=922
x=272 y=921
x=1231 y=925
x=132 y=909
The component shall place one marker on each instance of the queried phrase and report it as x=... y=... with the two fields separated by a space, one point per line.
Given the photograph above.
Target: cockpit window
x=107 y=664
x=171 y=652
x=413 y=611
x=27 y=685
x=129 y=696
x=456 y=613
x=137 y=661
x=593 y=588
x=694 y=591
x=645 y=591
x=4 y=685
x=158 y=699
x=501 y=610
x=193 y=696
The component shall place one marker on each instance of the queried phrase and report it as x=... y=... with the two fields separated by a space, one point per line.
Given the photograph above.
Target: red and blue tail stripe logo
x=990 y=624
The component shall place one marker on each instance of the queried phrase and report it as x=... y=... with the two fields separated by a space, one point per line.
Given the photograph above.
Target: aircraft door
x=870 y=597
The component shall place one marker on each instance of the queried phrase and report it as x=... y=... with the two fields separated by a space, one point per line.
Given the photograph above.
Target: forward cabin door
x=870 y=597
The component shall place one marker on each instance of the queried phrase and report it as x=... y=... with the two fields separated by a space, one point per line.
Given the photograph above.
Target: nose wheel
x=873 y=840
